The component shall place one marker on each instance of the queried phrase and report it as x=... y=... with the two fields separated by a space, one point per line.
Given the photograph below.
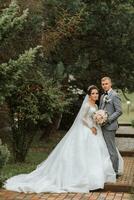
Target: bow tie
x=105 y=93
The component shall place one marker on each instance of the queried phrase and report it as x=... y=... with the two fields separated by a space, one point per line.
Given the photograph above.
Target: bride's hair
x=90 y=88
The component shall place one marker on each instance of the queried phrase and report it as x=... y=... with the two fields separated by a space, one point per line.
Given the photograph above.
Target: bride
x=80 y=162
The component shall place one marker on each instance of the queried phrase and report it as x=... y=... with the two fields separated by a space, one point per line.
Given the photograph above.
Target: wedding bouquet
x=100 y=117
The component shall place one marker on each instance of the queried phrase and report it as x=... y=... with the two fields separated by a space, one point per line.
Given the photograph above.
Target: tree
x=106 y=44
x=31 y=98
x=12 y=22
x=101 y=43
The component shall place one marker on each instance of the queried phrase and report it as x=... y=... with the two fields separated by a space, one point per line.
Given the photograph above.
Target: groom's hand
x=94 y=130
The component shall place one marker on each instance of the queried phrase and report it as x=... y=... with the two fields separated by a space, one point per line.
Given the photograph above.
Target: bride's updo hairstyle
x=90 y=88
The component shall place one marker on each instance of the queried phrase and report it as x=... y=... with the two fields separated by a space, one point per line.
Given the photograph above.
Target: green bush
x=32 y=105
x=4 y=156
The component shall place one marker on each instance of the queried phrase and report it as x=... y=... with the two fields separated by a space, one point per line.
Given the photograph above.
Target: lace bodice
x=87 y=116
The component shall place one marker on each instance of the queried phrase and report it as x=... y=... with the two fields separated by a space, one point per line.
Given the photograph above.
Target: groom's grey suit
x=114 y=110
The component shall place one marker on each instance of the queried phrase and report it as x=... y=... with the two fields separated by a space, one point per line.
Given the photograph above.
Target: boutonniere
x=106 y=99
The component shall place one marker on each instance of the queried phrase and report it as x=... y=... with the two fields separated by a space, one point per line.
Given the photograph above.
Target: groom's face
x=106 y=85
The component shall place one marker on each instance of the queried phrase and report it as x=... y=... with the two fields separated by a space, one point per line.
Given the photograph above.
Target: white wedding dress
x=79 y=163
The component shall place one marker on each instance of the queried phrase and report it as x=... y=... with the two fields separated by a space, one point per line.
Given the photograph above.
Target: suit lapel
x=110 y=93
x=101 y=100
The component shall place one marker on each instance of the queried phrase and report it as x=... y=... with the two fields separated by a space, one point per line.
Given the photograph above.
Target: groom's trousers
x=109 y=137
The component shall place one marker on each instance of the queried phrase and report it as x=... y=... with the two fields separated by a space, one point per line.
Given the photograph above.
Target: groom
x=110 y=102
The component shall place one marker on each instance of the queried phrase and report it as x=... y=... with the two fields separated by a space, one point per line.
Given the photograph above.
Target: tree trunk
x=21 y=143
x=19 y=157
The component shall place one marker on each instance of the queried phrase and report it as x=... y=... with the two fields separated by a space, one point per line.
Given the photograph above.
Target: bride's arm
x=86 y=122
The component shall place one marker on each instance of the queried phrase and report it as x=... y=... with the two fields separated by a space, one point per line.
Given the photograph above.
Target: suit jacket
x=113 y=108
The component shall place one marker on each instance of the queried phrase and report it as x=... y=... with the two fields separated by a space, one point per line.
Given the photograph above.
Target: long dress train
x=79 y=163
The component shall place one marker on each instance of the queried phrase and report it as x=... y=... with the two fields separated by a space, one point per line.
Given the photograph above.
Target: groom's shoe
x=118 y=176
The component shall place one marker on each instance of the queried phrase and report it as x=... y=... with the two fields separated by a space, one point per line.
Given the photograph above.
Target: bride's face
x=94 y=95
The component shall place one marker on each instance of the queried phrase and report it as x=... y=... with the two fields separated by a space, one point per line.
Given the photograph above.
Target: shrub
x=4 y=156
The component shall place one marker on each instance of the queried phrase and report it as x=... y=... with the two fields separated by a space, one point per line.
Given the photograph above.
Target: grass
x=38 y=153
x=33 y=159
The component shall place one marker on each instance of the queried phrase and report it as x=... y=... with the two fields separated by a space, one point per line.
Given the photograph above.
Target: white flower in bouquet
x=100 y=117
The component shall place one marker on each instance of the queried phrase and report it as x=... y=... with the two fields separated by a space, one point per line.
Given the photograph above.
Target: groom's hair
x=106 y=78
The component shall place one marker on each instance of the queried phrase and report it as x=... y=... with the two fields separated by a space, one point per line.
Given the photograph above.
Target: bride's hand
x=94 y=130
